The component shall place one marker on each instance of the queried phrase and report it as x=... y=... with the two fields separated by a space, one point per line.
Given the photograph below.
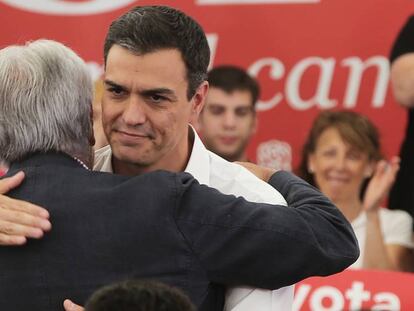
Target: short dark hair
x=146 y=29
x=232 y=78
x=139 y=295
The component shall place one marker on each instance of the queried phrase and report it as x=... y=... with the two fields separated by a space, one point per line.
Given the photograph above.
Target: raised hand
x=380 y=183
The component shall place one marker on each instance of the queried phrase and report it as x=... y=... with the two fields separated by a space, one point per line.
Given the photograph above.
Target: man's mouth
x=228 y=140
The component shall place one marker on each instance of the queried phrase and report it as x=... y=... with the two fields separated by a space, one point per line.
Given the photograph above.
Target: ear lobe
x=199 y=98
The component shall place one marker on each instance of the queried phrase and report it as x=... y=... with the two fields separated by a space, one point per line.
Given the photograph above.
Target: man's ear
x=199 y=99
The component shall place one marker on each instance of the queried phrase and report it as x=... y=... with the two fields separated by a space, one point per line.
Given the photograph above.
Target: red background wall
x=288 y=33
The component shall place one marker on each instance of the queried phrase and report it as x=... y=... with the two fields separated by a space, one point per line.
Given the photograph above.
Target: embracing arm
x=19 y=220
x=264 y=245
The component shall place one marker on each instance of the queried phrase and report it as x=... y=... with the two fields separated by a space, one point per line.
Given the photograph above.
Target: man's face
x=227 y=122
x=145 y=110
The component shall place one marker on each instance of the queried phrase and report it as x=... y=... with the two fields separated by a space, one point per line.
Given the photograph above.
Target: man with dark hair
x=156 y=61
x=228 y=119
x=135 y=295
x=155 y=68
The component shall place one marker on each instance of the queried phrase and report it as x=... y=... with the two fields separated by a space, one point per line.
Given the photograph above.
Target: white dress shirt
x=212 y=170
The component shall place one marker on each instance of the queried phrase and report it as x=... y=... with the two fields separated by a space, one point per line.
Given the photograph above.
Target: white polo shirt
x=230 y=178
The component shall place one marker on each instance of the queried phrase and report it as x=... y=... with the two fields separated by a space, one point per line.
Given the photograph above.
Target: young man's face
x=227 y=122
x=145 y=110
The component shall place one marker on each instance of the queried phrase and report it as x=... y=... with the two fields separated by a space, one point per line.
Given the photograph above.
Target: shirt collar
x=103 y=159
x=199 y=163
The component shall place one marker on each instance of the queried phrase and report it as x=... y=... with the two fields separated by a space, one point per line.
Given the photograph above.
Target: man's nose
x=229 y=120
x=134 y=112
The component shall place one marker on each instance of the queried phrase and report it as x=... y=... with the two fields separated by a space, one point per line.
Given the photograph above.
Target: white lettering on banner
x=226 y=2
x=277 y=70
x=335 y=296
x=212 y=40
x=356 y=296
x=357 y=67
x=63 y=7
x=386 y=301
x=301 y=292
x=327 y=67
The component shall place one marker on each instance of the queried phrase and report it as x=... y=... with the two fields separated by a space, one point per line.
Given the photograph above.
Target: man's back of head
x=228 y=119
x=134 y=295
x=45 y=96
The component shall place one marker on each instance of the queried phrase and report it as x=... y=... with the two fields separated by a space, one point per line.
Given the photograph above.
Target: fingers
x=263 y=173
x=12 y=239
x=8 y=183
x=395 y=164
x=380 y=169
x=388 y=168
x=23 y=207
x=70 y=306
x=20 y=220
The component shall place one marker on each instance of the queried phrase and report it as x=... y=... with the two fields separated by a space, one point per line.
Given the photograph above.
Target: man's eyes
x=216 y=110
x=243 y=112
x=117 y=91
x=155 y=98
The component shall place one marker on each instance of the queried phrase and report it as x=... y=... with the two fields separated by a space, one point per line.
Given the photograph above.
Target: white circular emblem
x=275 y=154
x=62 y=7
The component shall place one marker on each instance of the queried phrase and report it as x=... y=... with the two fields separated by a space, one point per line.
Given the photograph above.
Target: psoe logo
x=67 y=7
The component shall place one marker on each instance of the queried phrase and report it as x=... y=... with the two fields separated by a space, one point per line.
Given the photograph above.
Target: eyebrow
x=160 y=91
x=149 y=92
x=113 y=84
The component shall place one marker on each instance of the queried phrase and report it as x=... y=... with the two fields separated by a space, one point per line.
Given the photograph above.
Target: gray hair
x=45 y=101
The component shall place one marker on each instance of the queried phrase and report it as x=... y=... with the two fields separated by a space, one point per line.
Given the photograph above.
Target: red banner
x=356 y=290
x=307 y=54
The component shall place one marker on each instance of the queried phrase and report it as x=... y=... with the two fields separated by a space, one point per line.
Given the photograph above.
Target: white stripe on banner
x=223 y=2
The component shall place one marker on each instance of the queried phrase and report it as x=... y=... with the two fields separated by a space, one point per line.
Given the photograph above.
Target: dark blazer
x=167 y=227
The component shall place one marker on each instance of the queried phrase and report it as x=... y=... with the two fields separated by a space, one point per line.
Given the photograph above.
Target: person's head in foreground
x=134 y=295
x=46 y=102
x=156 y=62
x=228 y=119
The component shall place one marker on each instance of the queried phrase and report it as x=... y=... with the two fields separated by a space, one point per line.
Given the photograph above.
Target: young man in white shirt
x=228 y=119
